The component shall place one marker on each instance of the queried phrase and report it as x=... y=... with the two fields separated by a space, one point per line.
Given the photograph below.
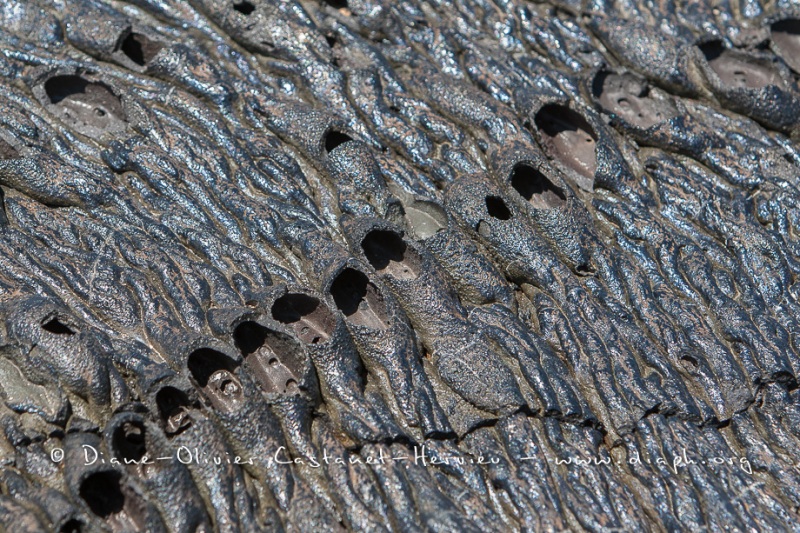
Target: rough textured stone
x=419 y=266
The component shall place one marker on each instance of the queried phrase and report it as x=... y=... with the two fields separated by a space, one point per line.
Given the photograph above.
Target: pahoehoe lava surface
x=468 y=265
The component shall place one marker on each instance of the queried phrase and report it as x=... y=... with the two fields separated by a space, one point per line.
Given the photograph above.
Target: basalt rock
x=419 y=266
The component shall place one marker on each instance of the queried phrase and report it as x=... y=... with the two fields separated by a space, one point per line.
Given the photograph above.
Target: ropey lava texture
x=413 y=263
